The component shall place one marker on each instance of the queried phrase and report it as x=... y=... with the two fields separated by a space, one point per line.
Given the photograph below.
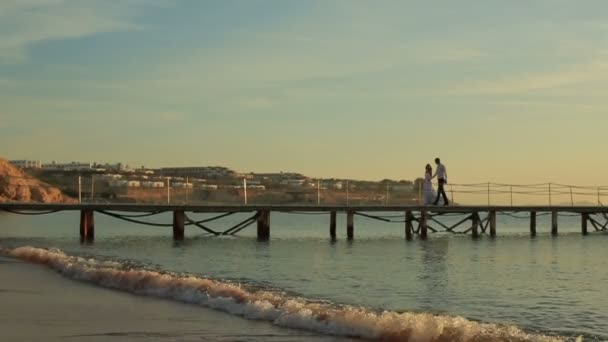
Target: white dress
x=428 y=193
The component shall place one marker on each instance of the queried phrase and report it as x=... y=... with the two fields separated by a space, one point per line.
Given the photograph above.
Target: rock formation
x=16 y=186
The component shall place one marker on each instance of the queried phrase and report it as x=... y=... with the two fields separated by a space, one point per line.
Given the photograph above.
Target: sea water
x=448 y=288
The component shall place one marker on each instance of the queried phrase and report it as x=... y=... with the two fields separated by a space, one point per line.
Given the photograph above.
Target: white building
x=293 y=182
x=118 y=183
x=26 y=164
x=208 y=186
x=73 y=166
x=181 y=185
x=133 y=184
x=110 y=176
x=151 y=184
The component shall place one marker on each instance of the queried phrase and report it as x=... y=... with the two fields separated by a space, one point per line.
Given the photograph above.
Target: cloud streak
x=25 y=23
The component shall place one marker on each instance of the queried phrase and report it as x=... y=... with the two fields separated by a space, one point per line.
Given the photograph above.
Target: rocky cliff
x=16 y=186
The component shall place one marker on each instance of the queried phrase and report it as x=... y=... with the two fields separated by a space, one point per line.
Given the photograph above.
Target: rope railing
x=491 y=191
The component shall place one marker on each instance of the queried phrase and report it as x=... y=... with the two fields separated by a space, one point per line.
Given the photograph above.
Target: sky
x=505 y=91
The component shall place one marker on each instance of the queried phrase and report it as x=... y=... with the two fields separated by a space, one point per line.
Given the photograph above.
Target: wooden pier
x=418 y=220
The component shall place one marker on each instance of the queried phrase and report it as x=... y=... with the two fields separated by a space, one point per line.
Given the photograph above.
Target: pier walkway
x=417 y=220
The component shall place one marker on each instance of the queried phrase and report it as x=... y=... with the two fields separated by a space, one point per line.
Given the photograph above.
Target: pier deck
x=482 y=218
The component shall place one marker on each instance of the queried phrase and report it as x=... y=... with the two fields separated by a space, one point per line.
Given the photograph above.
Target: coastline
x=41 y=305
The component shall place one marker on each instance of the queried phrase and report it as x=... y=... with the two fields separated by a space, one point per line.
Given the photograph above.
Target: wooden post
x=409 y=227
x=584 y=220
x=87 y=226
x=264 y=225
x=332 y=225
x=245 y=190
x=554 y=223
x=492 y=223
x=178 y=225
x=350 y=224
x=423 y=224
x=79 y=189
x=533 y=223
x=475 y=226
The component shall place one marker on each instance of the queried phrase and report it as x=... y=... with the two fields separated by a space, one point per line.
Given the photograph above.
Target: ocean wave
x=278 y=308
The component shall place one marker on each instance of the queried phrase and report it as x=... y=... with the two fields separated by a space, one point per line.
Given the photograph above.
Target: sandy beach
x=39 y=304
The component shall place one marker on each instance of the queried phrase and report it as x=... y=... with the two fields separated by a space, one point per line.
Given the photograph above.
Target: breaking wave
x=278 y=308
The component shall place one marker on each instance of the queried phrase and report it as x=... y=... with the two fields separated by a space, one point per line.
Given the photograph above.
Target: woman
x=428 y=194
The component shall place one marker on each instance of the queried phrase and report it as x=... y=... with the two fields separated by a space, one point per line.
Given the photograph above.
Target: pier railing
x=521 y=194
x=95 y=189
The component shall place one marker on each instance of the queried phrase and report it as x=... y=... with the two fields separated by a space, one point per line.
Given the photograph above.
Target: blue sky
x=503 y=91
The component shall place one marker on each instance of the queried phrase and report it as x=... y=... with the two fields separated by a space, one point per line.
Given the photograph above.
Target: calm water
x=543 y=285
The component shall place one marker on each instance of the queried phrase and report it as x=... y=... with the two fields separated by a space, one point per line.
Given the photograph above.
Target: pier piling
x=492 y=218
x=554 y=223
x=178 y=225
x=87 y=226
x=332 y=225
x=264 y=225
x=584 y=221
x=475 y=225
x=423 y=224
x=409 y=227
x=533 y=223
x=350 y=224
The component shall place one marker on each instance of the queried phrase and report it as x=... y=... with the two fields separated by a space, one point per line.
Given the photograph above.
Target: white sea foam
x=282 y=310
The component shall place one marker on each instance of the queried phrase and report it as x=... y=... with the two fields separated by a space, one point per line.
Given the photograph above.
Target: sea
x=306 y=287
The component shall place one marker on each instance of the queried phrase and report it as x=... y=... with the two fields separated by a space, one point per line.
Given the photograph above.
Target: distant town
x=216 y=184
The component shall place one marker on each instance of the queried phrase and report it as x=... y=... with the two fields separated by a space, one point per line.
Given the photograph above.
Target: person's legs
x=445 y=196
x=439 y=191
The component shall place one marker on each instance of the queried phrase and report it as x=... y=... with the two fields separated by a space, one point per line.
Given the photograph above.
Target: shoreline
x=39 y=304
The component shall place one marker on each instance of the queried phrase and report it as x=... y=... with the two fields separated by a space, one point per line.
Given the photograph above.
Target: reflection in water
x=434 y=274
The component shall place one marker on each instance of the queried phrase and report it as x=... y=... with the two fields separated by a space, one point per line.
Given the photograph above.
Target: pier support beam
x=264 y=225
x=533 y=223
x=350 y=224
x=87 y=226
x=178 y=225
x=332 y=225
x=424 y=217
x=475 y=225
x=409 y=226
x=492 y=223
x=584 y=221
x=554 y=223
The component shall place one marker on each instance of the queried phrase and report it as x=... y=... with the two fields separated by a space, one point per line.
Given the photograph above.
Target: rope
x=213 y=218
x=141 y=215
x=208 y=230
x=240 y=226
x=379 y=218
x=18 y=212
x=305 y=212
x=120 y=217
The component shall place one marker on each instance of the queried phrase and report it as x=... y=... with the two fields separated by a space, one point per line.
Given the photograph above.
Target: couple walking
x=442 y=179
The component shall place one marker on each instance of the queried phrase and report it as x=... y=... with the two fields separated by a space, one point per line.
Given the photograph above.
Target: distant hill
x=16 y=186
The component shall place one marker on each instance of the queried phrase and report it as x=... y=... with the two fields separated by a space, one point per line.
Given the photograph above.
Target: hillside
x=16 y=186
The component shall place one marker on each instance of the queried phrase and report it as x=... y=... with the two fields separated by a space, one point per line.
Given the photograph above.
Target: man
x=442 y=177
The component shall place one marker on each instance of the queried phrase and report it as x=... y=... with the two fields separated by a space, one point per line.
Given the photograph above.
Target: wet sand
x=38 y=304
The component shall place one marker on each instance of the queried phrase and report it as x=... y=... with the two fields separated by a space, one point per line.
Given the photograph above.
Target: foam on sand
x=278 y=308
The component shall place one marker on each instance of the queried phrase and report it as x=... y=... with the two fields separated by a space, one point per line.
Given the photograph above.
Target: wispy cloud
x=591 y=71
x=27 y=22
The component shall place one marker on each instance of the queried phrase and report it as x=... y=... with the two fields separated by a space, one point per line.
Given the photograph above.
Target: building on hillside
x=213 y=172
x=276 y=178
x=118 y=183
x=208 y=187
x=73 y=166
x=293 y=182
x=181 y=185
x=26 y=164
x=152 y=184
